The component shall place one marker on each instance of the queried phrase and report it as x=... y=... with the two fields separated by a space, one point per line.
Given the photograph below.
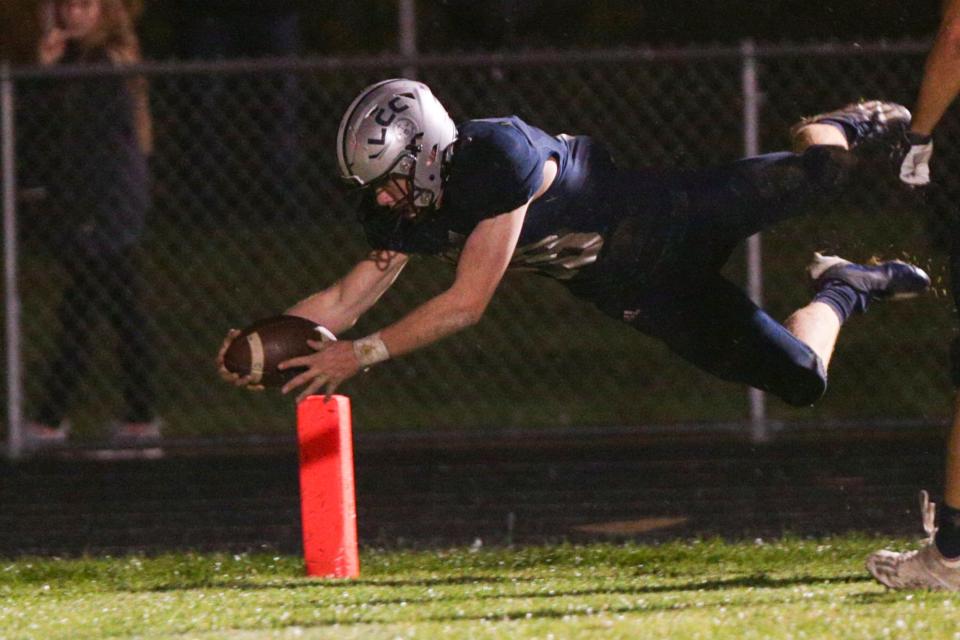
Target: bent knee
x=829 y=166
x=807 y=384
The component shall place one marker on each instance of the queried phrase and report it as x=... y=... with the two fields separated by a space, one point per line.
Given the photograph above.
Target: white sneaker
x=37 y=436
x=925 y=568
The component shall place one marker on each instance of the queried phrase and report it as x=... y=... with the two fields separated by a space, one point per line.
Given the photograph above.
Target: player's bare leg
x=845 y=288
x=817 y=134
x=818 y=326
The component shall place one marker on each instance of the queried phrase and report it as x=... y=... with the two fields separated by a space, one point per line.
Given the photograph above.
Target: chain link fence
x=239 y=214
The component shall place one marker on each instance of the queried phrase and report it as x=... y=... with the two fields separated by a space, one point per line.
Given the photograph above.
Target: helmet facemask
x=399 y=182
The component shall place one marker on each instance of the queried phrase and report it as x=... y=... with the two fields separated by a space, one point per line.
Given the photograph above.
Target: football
x=266 y=343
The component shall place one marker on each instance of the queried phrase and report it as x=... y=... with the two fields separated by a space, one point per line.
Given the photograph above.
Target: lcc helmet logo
x=385 y=119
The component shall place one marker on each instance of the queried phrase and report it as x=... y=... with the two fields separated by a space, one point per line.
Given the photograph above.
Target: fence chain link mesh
x=247 y=216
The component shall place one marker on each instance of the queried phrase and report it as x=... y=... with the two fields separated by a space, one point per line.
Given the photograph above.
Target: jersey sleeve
x=495 y=169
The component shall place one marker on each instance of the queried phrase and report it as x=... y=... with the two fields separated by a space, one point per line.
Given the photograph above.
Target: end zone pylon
x=327 y=501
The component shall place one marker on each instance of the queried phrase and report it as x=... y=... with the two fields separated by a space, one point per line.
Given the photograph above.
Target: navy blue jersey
x=497 y=166
x=645 y=246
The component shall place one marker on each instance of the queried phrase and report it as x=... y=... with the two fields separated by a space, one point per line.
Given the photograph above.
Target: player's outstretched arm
x=485 y=258
x=339 y=306
x=482 y=263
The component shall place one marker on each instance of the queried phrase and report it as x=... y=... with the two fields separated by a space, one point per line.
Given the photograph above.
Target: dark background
x=249 y=28
x=369 y=26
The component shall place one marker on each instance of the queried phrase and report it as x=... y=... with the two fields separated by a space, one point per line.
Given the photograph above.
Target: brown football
x=266 y=343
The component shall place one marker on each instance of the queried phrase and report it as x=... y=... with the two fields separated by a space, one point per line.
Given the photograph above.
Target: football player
x=937 y=564
x=645 y=246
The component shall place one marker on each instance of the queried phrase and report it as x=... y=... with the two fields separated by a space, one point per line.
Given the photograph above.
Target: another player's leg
x=936 y=565
x=924 y=568
x=845 y=288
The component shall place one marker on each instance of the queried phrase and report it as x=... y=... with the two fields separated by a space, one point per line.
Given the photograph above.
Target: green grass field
x=711 y=589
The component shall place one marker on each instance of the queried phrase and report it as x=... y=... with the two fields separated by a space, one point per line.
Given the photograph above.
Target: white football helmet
x=396 y=129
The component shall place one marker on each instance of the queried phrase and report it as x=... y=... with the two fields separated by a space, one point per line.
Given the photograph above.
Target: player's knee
x=829 y=166
x=808 y=382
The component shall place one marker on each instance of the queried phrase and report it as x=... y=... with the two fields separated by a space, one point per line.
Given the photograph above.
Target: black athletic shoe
x=862 y=121
x=890 y=280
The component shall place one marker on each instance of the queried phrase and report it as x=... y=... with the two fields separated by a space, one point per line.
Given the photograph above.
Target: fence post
x=11 y=291
x=407 y=33
x=759 y=428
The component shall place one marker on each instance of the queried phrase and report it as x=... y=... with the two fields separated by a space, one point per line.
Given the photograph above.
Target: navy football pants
x=660 y=268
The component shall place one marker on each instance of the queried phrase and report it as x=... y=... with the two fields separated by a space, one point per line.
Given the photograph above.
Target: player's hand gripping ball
x=250 y=357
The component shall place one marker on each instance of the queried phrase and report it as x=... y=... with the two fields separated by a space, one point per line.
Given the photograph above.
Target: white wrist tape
x=370 y=350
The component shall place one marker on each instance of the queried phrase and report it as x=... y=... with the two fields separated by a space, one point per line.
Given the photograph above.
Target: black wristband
x=918 y=138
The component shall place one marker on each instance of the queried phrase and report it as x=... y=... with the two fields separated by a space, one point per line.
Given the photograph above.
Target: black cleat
x=862 y=121
x=890 y=280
